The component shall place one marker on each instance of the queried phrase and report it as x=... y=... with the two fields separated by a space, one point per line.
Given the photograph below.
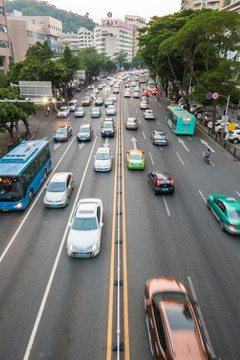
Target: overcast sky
x=98 y=9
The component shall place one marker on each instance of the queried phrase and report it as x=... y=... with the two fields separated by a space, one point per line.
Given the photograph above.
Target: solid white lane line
x=237 y=193
x=136 y=111
x=166 y=206
x=144 y=135
x=202 y=196
x=49 y=284
x=201 y=318
x=151 y=158
x=180 y=159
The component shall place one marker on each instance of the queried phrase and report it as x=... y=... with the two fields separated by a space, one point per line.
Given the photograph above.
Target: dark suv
x=85 y=133
x=108 y=129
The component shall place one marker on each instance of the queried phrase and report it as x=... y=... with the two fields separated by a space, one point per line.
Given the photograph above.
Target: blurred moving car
x=143 y=105
x=84 y=237
x=87 y=101
x=113 y=96
x=63 y=133
x=63 y=112
x=96 y=112
x=85 y=133
x=135 y=159
x=109 y=102
x=136 y=95
x=227 y=211
x=99 y=101
x=108 y=129
x=58 y=190
x=131 y=123
x=159 y=137
x=174 y=328
x=234 y=136
x=161 y=182
x=111 y=110
x=79 y=112
x=72 y=105
x=127 y=94
x=103 y=159
x=148 y=115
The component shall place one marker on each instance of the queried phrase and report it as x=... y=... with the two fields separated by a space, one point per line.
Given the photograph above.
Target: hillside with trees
x=71 y=22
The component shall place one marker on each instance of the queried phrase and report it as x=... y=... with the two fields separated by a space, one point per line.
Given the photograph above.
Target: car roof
x=62 y=127
x=136 y=152
x=163 y=174
x=87 y=207
x=103 y=150
x=60 y=176
x=85 y=126
x=131 y=118
x=230 y=202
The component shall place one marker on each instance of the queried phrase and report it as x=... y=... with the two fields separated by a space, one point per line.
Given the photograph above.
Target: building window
x=4 y=44
x=2 y=10
x=1 y=61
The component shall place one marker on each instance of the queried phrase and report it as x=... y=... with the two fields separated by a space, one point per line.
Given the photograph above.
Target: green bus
x=180 y=120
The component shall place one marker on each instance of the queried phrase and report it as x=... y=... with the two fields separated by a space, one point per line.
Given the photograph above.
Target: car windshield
x=61 y=131
x=103 y=156
x=160 y=135
x=63 y=109
x=131 y=121
x=235 y=215
x=10 y=192
x=179 y=316
x=84 y=130
x=111 y=107
x=79 y=109
x=107 y=125
x=56 y=186
x=136 y=157
x=95 y=110
x=85 y=224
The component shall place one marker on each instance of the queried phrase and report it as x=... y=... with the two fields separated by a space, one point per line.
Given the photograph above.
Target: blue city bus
x=180 y=120
x=22 y=172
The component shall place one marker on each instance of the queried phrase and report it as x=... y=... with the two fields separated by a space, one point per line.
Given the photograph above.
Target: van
x=73 y=104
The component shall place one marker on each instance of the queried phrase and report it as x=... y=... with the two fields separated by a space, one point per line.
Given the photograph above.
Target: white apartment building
x=113 y=36
x=200 y=4
x=81 y=40
x=4 y=39
x=136 y=22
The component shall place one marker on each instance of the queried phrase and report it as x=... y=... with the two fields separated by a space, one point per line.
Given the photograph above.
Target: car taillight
x=143 y=163
x=233 y=225
x=158 y=183
x=155 y=139
x=172 y=182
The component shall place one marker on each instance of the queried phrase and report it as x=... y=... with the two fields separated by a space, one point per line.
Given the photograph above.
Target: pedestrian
x=48 y=110
x=224 y=112
x=234 y=112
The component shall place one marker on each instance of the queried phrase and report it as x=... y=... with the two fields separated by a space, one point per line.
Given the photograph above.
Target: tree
x=120 y=58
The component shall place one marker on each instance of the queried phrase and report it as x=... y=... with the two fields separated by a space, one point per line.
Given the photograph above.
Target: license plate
x=82 y=139
x=164 y=189
x=107 y=133
x=82 y=254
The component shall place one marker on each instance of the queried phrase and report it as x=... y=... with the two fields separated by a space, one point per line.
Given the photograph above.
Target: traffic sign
x=215 y=96
x=209 y=95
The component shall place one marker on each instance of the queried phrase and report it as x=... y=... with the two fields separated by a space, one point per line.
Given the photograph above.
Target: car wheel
x=208 y=204
x=222 y=226
x=235 y=141
x=31 y=194
x=154 y=191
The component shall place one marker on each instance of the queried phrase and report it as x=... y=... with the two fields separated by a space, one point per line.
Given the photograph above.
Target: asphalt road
x=55 y=307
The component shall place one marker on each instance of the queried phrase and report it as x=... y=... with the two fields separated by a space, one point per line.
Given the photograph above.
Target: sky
x=98 y=9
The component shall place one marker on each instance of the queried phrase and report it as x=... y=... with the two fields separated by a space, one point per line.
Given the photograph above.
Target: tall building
x=113 y=36
x=200 y=4
x=4 y=39
x=81 y=40
x=136 y=22
x=25 y=31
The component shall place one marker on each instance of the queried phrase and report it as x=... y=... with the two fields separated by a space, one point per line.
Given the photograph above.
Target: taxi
x=135 y=159
x=227 y=211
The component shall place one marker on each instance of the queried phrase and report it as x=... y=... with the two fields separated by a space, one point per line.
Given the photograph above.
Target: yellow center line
x=125 y=287
x=111 y=279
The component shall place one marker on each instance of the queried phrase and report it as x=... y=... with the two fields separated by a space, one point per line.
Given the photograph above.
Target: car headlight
x=94 y=247
x=70 y=248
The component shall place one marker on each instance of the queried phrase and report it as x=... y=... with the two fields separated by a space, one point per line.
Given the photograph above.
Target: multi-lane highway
x=55 y=307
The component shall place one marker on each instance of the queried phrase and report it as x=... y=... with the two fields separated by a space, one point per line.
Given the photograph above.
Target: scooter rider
x=207 y=154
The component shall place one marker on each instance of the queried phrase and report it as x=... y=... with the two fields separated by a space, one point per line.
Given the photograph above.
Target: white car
x=148 y=114
x=63 y=112
x=217 y=124
x=111 y=110
x=79 y=112
x=84 y=237
x=234 y=136
x=127 y=94
x=103 y=159
x=59 y=190
x=143 y=105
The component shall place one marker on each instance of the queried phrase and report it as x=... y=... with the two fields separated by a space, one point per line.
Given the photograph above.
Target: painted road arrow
x=205 y=143
x=134 y=141
x=56 y=146
x=81 y=145
x=183 y=144
x=106 y=144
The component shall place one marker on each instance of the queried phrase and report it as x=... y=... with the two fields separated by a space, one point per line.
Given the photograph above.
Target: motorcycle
x=207 y=159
